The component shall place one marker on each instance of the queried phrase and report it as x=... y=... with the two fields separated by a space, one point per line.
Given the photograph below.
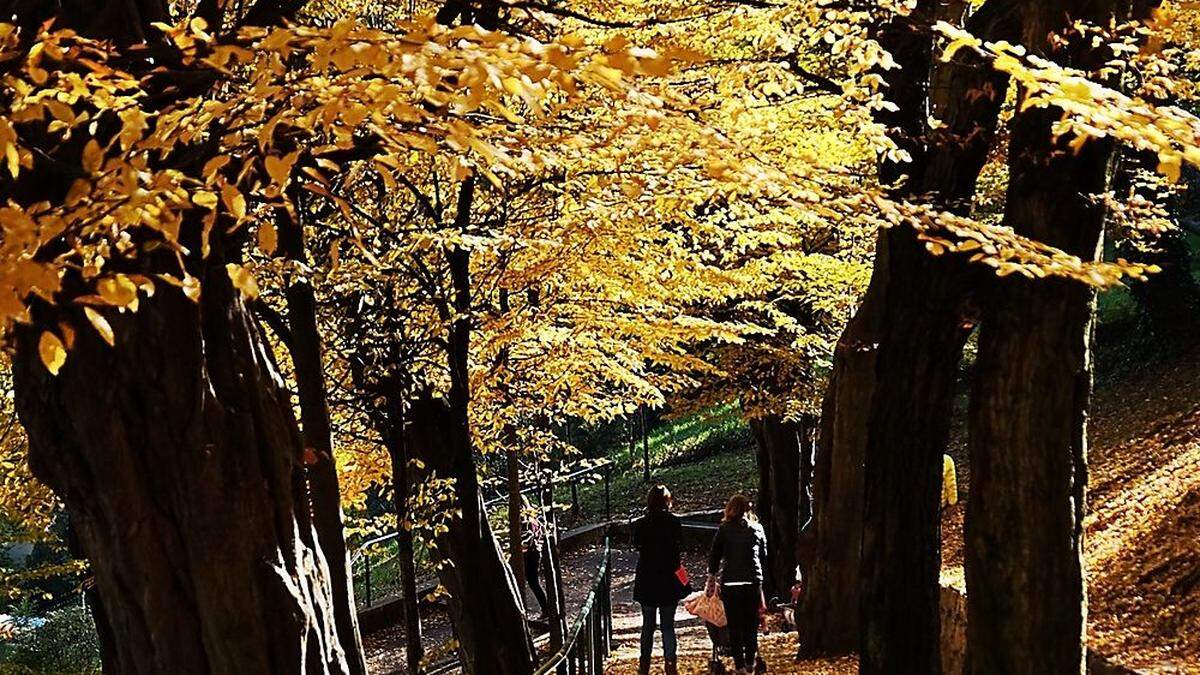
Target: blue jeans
x=666 y=615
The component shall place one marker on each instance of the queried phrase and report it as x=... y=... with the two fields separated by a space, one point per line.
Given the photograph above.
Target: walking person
x=738 y=558
x=533 y=535
x=658 y=584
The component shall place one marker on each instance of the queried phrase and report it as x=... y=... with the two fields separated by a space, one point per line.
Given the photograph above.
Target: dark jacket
x=742 y=546
x=656 y=536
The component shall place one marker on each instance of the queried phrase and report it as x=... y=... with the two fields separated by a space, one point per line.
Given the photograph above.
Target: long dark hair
x=739 y=506
x=658 y=499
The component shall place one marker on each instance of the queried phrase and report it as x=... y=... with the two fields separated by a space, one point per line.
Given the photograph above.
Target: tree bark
x=1026 y=598
x=828 y=618
x=867 y=399
x=179 y=462
x=305 y=349
x=783 y=505
x=1026 y=595
x=483 y=590
x=176 y=453
x=398 y=450
x=917 y=368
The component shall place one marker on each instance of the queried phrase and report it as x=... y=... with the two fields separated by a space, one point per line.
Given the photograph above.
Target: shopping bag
x=707 y=607
x=682 y=575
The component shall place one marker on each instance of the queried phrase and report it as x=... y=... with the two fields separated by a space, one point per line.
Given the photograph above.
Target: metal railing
x=375 y=565
x=589 y=639
x=587 y=642
x=375 y=570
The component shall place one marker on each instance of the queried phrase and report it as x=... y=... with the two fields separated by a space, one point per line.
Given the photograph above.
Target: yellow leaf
x=267 y=239
x=13 y=157
x=118 y=291
x=100 y=324
x=93 y=156
x=52 y=351
x=191 y=288
x=212 y=166
x=205 y=199
x=243 y=280
x=1170 y=165
x=234 y=201
x=279 y=168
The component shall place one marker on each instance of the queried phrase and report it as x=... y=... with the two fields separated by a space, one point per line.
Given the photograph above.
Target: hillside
x=1144 y=525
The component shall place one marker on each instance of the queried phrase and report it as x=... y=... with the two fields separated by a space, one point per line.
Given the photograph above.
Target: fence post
x=607 y=499
x=608 y=592
x=367 y=557
x=597 y=641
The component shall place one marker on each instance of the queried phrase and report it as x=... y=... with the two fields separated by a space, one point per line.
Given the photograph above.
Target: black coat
x=656 y=536
x=739 y=552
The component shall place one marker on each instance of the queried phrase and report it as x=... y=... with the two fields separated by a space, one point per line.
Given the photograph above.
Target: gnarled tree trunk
x=305 y=348
x=179 y=462
x=916 y=311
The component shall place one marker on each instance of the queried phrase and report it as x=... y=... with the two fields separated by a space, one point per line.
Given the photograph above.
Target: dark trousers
x=532 y=559
x=741 y=609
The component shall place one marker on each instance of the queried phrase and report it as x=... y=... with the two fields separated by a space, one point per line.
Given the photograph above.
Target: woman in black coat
x=657 y=584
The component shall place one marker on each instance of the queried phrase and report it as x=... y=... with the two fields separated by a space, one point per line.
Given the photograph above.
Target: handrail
x=596 y=618
x=604 y=465
x=591 y=631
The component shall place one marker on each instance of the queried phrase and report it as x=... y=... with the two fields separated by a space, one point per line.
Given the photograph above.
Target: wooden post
x=645 y=448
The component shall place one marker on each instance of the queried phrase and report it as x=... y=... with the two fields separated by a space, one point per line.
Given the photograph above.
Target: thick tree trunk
x=179 y=462
x=1026 y=596
x=305 y=349
x=917 y=368
x=828 y=618
x=783 y=504
x=865 y=393
x=483 y=590
x=91 y=596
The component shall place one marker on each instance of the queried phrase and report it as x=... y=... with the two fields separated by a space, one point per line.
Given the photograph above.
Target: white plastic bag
x=709 y=608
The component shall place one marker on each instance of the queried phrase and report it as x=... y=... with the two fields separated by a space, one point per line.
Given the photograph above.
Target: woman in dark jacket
x=739 y=554
x=656 y=585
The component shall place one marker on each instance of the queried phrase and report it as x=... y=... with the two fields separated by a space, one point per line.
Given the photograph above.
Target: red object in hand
x=682 y=575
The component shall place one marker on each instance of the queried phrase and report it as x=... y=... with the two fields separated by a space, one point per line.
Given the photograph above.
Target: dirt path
x=1141 y=544
x=695 y=647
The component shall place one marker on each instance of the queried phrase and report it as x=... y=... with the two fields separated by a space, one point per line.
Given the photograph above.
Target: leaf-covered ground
x=777 y=648
x=1143 y=559
x=1144 y=527
x=1142 y=533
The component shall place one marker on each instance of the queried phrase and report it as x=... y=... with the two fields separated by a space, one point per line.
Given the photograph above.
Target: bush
x=65 y=643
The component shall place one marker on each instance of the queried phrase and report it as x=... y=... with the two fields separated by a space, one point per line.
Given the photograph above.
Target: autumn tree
x=135 y=254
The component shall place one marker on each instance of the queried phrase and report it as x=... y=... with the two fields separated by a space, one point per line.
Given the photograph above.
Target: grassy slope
x=702 y=458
